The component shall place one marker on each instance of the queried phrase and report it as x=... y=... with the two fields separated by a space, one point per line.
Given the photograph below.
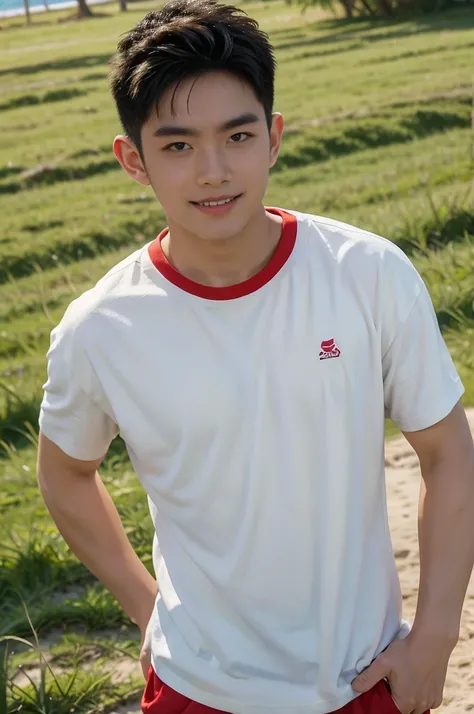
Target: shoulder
x=342 y=239
x=85 y=314
x=356 y=251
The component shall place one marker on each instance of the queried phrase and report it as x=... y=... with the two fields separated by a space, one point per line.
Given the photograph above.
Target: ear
x=276 y=132
x=130 y=160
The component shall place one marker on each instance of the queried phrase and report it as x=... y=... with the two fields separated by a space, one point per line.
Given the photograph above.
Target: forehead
x=208 y=99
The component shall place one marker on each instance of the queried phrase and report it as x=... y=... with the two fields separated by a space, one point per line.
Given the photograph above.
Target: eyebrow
x=242 y=120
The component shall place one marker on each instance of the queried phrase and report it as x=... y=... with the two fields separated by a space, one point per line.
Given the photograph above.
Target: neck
x=225 y=262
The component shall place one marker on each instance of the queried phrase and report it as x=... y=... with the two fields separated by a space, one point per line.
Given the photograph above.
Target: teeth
x=216 y=203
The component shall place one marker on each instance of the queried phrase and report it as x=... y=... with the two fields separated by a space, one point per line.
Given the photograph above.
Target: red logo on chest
x=329 y=349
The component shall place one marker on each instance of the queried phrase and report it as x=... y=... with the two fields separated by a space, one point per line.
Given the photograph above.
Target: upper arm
x=53 y=462
x=448 y=441
x=75 y=415
x=421 y=385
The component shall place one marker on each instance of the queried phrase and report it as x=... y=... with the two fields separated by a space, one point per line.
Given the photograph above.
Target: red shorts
x=158 y=698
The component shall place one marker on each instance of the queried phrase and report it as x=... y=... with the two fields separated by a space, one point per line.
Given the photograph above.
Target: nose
x=212 y=167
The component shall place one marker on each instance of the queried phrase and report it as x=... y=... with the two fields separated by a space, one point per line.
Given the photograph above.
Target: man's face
x=215 y=146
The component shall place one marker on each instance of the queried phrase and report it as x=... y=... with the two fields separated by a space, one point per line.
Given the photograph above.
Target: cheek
x=254 y=162
x=167 y=175
x=257 y=171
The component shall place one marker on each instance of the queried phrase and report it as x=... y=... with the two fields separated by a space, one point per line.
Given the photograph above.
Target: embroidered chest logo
x=329 y=349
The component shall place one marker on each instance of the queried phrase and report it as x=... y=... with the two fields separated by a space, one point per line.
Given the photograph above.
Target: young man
x=247 y=357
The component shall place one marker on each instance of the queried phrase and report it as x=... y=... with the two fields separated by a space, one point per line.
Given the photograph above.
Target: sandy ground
x=403 y=482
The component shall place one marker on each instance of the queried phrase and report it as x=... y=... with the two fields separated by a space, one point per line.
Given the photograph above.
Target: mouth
x=216 y=205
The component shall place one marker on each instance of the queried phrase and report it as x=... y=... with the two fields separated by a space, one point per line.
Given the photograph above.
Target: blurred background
x=377 y=97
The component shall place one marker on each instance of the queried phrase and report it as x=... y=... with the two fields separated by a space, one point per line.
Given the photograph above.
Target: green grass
x=378 y=133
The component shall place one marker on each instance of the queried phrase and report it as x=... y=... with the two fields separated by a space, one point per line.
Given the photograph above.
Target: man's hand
x=416 y=671
x=145 y=651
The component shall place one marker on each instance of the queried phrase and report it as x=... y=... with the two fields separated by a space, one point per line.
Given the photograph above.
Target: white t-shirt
x=254 y=418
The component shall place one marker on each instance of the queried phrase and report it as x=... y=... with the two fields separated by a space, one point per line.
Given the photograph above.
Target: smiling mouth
x=220 y=202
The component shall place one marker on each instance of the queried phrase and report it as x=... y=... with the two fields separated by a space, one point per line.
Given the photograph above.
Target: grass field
x=379 y=133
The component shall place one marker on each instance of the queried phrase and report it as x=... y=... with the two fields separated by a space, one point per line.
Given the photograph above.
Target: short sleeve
x=73 y=412
x=421 y=385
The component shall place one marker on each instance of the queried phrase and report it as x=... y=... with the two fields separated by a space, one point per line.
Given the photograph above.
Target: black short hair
x=187 y=38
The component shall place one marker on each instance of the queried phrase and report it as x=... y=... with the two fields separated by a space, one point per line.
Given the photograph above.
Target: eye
x=178 y=146
x=240 y=137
